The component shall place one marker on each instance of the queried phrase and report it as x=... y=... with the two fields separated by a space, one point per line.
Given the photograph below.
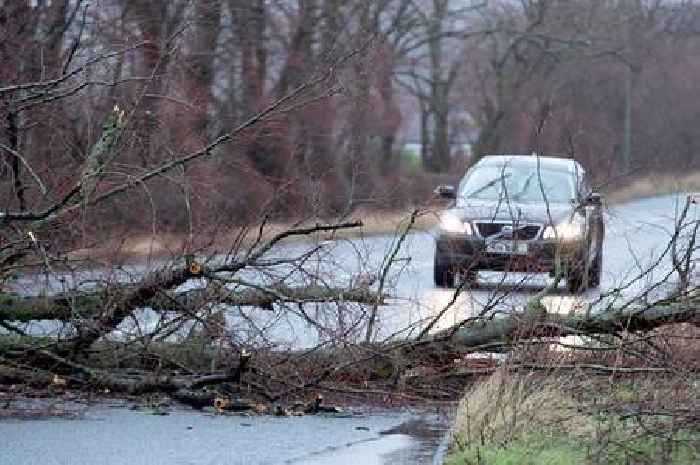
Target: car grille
x=524 y=232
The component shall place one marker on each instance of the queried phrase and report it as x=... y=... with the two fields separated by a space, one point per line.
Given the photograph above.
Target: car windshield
x=518 y=182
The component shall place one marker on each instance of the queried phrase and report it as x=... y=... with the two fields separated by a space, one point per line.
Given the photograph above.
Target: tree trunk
x=358 y=165
x=13 y=142
x=506 y=330
x=204 y=43
x=300 y=57
x=250 y=21
x=426 y=147
x=438 y=105
x=441 y=146
x=391 y=115
x=65 y=307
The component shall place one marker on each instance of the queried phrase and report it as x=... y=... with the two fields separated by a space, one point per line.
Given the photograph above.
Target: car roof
x=567 y=164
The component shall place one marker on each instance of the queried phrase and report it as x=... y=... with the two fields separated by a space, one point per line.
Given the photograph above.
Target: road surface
x=637 y=235
x=637 y=232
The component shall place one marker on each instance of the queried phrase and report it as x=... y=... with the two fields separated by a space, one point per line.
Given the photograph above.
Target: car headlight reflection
x=565 y=231
x=451 y=224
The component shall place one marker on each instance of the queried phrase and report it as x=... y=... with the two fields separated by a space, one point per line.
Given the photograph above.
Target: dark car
x=521 y=213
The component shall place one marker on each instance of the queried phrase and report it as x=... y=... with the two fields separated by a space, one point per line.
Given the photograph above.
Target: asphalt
x=637 y=236
x=635 y=258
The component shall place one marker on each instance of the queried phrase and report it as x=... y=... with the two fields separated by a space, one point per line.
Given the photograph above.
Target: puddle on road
x=370 y=452
x=417 y=441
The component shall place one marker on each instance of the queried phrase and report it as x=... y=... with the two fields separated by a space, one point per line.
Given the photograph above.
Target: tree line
x=607 y=82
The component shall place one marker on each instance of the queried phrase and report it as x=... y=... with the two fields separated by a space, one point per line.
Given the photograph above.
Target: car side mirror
x=594 y=199
x=445 y=191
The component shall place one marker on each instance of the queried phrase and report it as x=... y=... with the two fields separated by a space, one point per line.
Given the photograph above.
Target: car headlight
x=451 y=224
x=566 y=230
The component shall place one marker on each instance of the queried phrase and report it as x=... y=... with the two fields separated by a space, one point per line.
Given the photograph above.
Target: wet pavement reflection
x=637 y=232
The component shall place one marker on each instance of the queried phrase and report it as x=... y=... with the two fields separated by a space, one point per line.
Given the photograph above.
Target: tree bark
x=84 y=305
x=250 y=19
x=438 y=106
x=358 y=167
x=206 y=35
x=391 y=114
x=538 y=324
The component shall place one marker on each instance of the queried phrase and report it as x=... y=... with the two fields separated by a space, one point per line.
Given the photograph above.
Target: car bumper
x=541 y=256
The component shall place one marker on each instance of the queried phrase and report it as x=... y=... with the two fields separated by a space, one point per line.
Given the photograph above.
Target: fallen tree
x=536 y=322
x=17 y=308
x=488 y=333
x=244 y=283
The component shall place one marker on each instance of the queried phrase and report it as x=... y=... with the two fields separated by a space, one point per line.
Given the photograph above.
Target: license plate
x=507 y=247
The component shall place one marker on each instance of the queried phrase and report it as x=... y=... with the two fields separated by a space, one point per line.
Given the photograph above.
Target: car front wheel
x=443 y=274
x=577 y=281
x=596 y=272
x=582 y=277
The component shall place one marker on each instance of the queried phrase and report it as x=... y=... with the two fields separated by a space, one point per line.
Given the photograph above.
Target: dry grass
x=566 y=418
x=653 y=185
x=374 y=223
x=166 y=245
x=507 y=405
x=571 y=413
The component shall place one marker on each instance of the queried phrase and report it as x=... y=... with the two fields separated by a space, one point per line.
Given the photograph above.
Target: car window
x=518 y=182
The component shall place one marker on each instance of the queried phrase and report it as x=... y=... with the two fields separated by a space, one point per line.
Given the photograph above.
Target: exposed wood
x=233 y=405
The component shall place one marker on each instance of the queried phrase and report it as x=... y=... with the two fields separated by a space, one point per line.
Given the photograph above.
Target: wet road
x=125 y=437
x=637 y=235
x=637 y=232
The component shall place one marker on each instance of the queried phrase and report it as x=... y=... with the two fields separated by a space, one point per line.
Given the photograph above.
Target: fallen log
x=120 y=300
x=530 y=324
x=226 y=404
x=65 y=307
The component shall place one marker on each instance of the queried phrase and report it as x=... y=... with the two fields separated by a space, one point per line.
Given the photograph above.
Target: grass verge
x=655 y=185
x=167 y=245
x=617 y=448
x=375 y=222
x=547 y=420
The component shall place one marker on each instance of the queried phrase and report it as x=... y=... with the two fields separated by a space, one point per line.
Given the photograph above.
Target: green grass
x=610 y=446
x=638 y=440
x=530 y=450
x=568 y=420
